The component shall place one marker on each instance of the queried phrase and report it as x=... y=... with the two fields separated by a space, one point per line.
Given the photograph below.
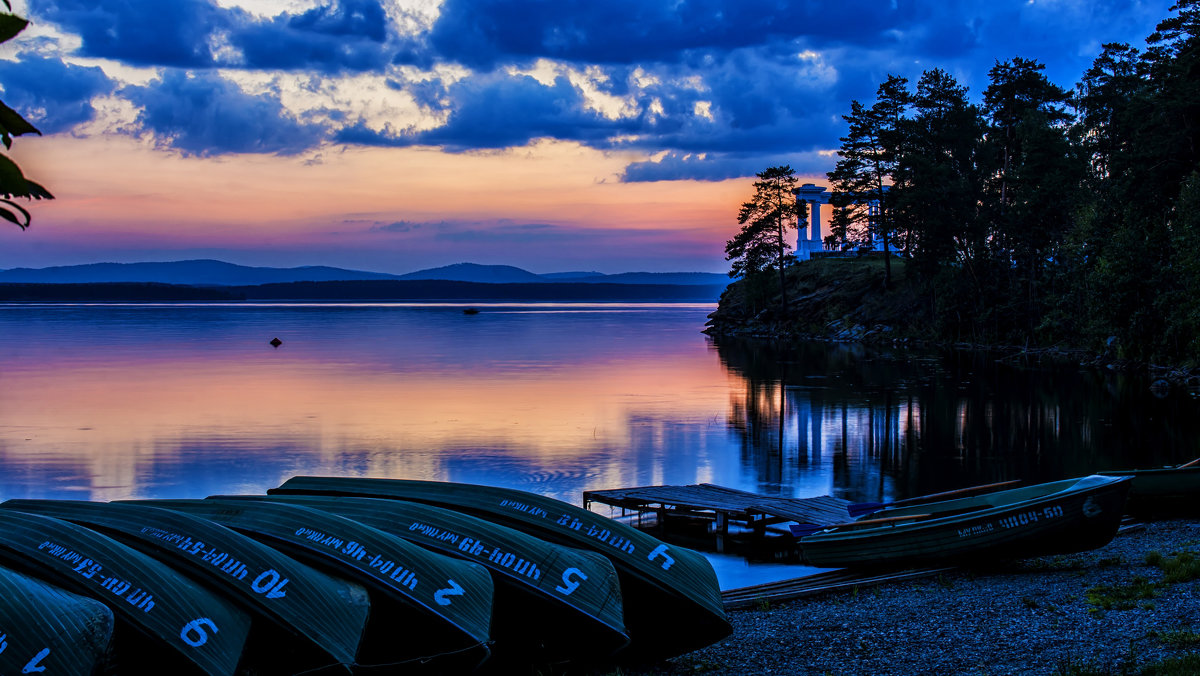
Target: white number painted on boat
x=977 y=529
x=602 y=534
x=194 y=634
x=89 y=569
x=569 y=585
x=3 y=643
x=1031 y=516
x=271 y=583
x=442 y=596
x=357 y=552
x=32 y=666
x=661 y=550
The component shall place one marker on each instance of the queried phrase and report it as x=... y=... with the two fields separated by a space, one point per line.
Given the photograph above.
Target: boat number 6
x=194 y=634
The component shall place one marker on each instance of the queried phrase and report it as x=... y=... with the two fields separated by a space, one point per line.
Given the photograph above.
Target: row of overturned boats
x=337 y=575
x=350 y=575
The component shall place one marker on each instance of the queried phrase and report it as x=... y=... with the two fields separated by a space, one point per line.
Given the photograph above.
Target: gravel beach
x=1022 y=617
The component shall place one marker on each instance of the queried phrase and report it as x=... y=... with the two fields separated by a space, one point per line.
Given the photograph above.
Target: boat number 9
x=194 y=634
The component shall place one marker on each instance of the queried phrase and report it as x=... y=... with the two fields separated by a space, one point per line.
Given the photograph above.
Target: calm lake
x=111 y=401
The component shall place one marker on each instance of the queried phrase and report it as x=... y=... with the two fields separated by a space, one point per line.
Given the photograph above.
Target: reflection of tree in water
x=891 y=425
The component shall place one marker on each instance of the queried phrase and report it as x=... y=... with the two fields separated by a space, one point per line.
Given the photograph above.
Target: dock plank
x=724 y=502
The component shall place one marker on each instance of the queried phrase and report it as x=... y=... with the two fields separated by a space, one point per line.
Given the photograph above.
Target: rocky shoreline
x=1130 y=607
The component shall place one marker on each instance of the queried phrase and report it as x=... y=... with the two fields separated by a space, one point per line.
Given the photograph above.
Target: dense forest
x=1037 y=216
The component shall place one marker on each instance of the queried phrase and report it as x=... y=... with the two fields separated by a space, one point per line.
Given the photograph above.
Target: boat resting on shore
x=188 y=626
x=553 y=603
x=46 y=629
x=428 y=611
x=310 y=619
x=1167 y=491
x=1059 y=517
x=671 y=597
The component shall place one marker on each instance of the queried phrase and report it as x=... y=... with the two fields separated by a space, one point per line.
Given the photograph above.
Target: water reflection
x=107 y=402
x=868 y=424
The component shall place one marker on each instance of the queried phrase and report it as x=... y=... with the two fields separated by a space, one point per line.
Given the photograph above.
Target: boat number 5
x=194 y=634
x=661 y=550
x=569 y=585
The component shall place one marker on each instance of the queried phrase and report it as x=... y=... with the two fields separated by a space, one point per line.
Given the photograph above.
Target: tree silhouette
x=13 y=183
x=765 y=219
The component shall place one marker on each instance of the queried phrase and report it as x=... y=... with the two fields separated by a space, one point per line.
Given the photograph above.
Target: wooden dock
x=721 y=505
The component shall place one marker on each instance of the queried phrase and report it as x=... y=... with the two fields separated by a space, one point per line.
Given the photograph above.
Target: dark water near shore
x=106 y=402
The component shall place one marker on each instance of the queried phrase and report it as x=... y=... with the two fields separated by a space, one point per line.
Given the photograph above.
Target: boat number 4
x=661 y=550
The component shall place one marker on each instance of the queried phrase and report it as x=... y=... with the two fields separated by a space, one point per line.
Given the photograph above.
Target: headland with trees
x=1036 y=217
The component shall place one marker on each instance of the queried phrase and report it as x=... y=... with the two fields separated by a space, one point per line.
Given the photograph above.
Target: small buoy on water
x=275 y=342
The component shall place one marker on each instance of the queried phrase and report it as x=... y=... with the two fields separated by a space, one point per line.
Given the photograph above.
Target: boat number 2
x=194 y=634
x=441 y=596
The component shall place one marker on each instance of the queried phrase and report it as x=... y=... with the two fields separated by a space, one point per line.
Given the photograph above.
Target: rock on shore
x=1022 y=617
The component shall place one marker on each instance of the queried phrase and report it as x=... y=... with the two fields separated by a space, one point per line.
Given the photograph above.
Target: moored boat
x=311 y=619
x=671 y=597
x=427 y=610
x=46 y=629
x=188 y=625
x=1166 y=491
x=1060 y=517
x=553 y=603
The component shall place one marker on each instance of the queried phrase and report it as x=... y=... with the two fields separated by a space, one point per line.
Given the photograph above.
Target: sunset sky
x=394 y=135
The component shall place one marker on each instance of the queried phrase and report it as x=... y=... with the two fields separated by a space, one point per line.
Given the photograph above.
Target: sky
x=396 y=135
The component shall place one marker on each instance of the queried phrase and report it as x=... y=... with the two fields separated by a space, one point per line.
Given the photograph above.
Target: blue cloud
x=482 y=33
x=53 y=95
x=344 y=35
x=347 y=35
x=139 y=32
x=205 y=114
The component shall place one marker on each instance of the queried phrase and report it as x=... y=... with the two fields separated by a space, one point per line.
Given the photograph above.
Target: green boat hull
x=45 y=628
x=1171 y=491
x=1057 y=518
x=553 y=603
x=428 y=611
x=188 y=626
x=671 y=597
x=311 y=619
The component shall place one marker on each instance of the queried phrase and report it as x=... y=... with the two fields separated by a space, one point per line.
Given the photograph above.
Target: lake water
x=111 y=401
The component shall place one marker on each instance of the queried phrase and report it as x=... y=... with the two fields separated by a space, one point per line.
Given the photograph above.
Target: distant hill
x=473 y=272
x=192 y=273
x=210 y=273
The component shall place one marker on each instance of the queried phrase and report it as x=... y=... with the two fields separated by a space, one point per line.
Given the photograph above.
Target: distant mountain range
x=213 y=273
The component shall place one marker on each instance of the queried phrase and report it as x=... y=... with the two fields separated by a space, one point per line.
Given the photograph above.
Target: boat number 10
x=1032 y=516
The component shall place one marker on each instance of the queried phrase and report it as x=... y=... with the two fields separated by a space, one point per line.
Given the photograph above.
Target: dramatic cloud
x=704 y=87
x=140 y=32
x=205 y=114
x=54 y=96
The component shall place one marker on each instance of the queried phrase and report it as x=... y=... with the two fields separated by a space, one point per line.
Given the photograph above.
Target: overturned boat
x=310 y=619
x=428 y=610
x=1060 y=517
x=553 y=603
x=181 y=618
x=671 y=597
x=46 y=629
